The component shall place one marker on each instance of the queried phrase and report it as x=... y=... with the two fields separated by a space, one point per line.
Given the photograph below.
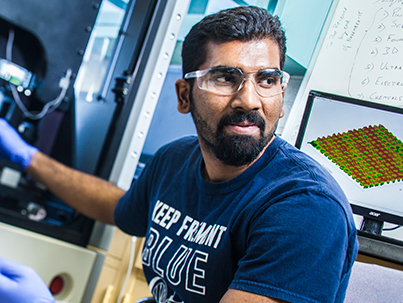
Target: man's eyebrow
x=229 y=67
x=269 y=67
x=222 y=66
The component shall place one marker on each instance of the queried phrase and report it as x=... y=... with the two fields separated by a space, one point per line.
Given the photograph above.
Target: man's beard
x=232 y=149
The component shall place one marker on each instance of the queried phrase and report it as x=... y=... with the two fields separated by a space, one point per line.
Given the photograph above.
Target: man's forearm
x=91 y=196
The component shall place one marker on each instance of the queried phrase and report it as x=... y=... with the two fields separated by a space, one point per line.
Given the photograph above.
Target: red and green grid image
x=371 y=155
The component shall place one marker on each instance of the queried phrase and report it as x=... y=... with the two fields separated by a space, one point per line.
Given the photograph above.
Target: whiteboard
x=360 y=55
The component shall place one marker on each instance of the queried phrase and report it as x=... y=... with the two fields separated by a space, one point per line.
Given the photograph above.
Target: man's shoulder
x=298 y=173
x=289 y=158
x=182 y=145
x=300 y=160
x=186 y=141
x=291 y=170
x=178 y=150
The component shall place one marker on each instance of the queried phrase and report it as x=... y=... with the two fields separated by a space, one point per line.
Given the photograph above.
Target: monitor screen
x=361 y=144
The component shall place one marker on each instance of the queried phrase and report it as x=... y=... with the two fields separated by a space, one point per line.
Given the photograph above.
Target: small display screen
x=361 y=144
x=14 y=73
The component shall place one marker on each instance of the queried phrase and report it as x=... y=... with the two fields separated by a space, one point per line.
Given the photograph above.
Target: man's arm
x=239 y=296
x=92 y=196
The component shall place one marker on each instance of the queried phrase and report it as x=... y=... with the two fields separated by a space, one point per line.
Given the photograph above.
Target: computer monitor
x=360 y=144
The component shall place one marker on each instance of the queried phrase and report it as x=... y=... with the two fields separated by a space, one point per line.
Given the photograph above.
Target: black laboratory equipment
x=42 y=45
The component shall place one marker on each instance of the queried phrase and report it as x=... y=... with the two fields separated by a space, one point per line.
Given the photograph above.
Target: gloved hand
x=13 y=147
x=21 y=284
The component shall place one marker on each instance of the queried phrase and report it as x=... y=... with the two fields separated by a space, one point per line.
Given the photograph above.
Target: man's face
x=237 y=128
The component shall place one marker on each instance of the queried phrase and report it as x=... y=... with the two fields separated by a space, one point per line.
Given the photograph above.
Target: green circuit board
x=371 y=155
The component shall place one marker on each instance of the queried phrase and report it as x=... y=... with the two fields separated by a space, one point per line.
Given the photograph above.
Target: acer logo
x=374 y=214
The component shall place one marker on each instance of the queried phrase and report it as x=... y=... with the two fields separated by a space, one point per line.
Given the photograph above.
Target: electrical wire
x=49 y=106
x=391 y=228
x=129 y=270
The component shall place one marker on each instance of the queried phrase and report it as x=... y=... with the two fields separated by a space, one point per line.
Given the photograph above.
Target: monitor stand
x=373 y=243
x=372 y=226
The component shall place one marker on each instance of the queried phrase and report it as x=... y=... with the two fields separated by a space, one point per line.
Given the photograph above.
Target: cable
x=391 y=228
x=49 y=106
x=9 y=47
x=129 y=270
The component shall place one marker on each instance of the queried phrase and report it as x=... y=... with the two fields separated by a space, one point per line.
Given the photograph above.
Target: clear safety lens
x=229 y=81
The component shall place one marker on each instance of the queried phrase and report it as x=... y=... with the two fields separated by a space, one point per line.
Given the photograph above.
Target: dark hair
x=243 y=23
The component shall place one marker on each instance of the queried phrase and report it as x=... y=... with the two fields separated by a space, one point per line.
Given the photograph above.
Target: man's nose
x=247 y=98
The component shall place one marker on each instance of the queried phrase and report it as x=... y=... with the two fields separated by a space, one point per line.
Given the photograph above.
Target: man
x=236 y=214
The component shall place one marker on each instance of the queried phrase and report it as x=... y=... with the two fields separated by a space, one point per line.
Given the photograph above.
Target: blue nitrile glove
x=21 y=284
x=13 y=147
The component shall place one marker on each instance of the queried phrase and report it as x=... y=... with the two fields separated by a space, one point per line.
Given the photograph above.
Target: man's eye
x=269 y=81
x=224 y=79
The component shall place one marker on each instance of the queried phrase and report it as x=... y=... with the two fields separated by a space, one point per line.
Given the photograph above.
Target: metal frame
x=121 y=154
x=146 y=95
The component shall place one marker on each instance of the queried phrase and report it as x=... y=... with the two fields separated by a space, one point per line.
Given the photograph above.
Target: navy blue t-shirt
x=282 y=229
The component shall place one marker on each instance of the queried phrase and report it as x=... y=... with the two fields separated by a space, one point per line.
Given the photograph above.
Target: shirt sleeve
x=132 y=211
x=297 y=250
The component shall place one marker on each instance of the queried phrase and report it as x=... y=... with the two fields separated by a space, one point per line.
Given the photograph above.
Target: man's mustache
x=237 y=117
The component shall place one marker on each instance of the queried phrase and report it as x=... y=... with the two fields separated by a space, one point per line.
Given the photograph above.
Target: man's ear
x=282 y=112
x=282 y=105
x=182 y=88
